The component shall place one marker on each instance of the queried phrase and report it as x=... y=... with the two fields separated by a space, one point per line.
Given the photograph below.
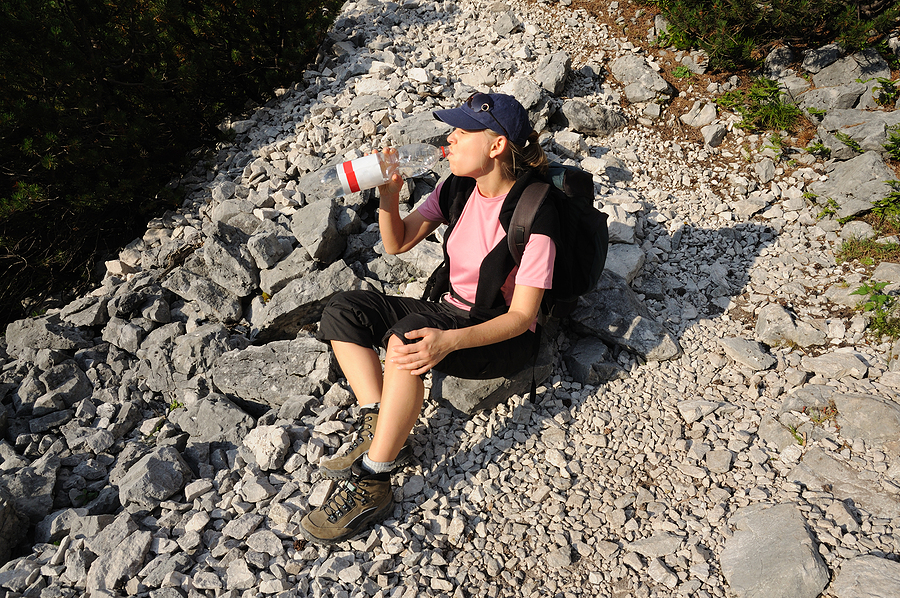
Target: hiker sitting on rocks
x=484 y=327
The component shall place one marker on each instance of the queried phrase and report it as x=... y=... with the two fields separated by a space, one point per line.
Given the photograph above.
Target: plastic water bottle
x=372 y=170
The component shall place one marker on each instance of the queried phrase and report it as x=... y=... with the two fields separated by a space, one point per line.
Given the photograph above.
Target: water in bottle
x=372 y=170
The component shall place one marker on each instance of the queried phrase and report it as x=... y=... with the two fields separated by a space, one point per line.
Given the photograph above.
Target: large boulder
x=269 y=374
x=153 y=479
x=784 y=557
x=213 y=418
x=856 y=184
x=471 y=396
x=301 y=302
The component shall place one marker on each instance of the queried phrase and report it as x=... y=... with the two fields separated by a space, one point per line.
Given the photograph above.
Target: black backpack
x=584 y=240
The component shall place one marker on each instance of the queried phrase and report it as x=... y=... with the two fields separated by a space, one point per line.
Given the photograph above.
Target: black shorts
x=369 y=318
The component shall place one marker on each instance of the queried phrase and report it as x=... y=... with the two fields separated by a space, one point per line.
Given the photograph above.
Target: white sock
x=376 y=466
x=370 y=406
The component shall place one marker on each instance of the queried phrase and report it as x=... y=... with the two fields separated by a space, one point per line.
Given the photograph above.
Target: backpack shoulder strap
x=523 y=218
x=455 y=193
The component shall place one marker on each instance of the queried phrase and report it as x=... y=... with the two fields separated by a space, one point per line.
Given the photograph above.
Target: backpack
x=584 y=240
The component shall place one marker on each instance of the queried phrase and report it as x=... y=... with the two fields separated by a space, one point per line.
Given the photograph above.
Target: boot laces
x=344 y=500
x=364 y=433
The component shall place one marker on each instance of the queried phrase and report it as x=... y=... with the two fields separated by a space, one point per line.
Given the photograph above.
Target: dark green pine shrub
x=736 y=33
x=100 y=103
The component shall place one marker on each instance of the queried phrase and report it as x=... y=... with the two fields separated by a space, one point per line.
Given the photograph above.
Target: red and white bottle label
x=362 y=173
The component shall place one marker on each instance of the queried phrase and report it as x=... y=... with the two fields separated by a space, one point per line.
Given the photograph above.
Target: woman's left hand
x=428 y=351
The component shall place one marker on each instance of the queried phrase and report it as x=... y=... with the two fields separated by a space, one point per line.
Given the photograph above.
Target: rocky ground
x=717 y=420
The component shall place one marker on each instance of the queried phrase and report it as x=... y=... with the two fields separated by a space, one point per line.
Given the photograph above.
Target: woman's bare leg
x=402 y=396
x=362 y=368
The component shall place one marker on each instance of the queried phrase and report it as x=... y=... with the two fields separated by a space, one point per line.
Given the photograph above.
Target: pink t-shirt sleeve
x=430 y=209
x=536 y=269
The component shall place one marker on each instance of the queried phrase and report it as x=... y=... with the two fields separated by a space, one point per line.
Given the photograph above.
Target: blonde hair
x=520 y=159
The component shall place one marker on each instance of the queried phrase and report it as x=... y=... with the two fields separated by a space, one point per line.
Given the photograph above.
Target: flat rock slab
x=867 y=577
x=613 y=313
x=772 y=555
x=837 y=365
x=818 y=470
x=746 y=352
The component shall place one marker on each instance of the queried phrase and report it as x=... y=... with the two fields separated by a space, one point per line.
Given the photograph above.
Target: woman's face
x=469 y=152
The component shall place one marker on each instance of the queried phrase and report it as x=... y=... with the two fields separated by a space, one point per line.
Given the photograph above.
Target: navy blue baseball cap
x=498 y=112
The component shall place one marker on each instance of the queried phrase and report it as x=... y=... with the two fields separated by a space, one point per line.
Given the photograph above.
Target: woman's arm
x=433 y=344
x=399 y=234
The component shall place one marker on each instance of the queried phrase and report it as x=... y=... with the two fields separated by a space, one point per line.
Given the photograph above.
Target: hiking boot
x=358 y=501
x=338 y=468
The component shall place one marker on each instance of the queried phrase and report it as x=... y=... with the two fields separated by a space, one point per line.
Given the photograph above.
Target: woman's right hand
x=390 y=190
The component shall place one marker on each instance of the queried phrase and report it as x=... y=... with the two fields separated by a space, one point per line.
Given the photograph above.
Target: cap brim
x=459 y=119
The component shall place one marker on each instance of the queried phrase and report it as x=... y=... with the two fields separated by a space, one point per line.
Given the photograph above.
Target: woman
x=483 y=327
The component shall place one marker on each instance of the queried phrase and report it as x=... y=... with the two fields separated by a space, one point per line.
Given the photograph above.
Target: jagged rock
x=507 y=23
x=525 y=90
x=867 y=576
x=316 y=228
x=424 y=258
x=156 y=366
x=551 y=72
x=112 y=569
x=613 y=313
x=819 y=469
x=266 y=249
x=213 y=418
x=271 y=373
x=124 y=334
x=590 y=362
x=296 y=264
x=11 y=526
x=696 y=409
x=301 y=302
x=714 y=134
x=570 y=144
x=700 y=114
x=213 y=299
x=836 y=365
x=198 y=350
x=471 y=396
x=642 y=83
x=748 y=353
x=45 y=332
x=421 y=127
x=868 y=129
x=865 y=65
x=775 y=325
x=86 y=311
x=840 y=97
x=621 y=225
x=872 y=418
x=614 y=168
x=65 y=384
x=816 y=59
x=596 y=121
x=269 y=445
x=31 y=487
x=231 y=265
x=625 y=260
x=154 y=478
x=775 y=539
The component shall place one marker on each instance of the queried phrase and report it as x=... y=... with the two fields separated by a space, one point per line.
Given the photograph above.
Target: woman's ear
x=498 y=146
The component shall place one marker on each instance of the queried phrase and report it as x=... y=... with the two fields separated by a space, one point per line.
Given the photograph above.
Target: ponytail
x=531 y=156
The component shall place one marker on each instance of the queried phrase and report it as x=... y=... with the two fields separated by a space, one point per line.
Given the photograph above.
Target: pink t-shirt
x=475 y=235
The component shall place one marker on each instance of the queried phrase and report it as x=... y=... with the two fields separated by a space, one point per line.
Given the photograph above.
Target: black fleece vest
x=498 y=263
